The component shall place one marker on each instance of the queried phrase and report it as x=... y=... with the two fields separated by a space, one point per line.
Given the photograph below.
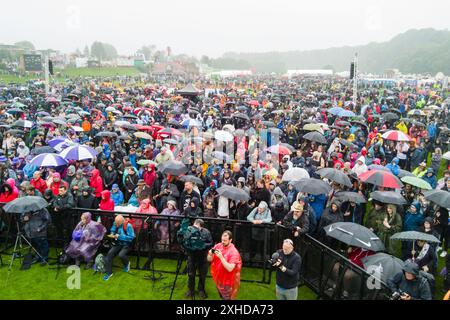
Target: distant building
x=175 y=68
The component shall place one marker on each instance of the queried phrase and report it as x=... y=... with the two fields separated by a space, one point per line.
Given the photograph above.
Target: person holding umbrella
x=375 y=217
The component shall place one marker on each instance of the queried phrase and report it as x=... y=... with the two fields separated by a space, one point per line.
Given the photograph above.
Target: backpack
x=99 y=265
x=429 y=279
x=190 y=237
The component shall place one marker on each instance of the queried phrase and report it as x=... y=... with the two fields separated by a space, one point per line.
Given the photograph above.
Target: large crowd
x=296 y=152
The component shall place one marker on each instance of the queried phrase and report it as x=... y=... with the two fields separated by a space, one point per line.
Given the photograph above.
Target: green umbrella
x=416 y=182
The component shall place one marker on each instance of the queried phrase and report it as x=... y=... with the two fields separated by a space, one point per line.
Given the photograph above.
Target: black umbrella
x=316 y=137
x=335 y=175
x=233 y=193
x=193 y=179
x=440 y=197
x=378 y=167
x=351 y=196
x=344 y=123
x=347 y=144
x=403 y=173
x=25 y=204
x=355 y=235
x=15 y=132
x=312 y=186
x=390 y=197
x=44 y=149
x=130 y=116
x=107 y=134
x=241 y=116
x=390 y=116
x=268 y=123
x=172 y=167
x=128 y=126
x=415 y=235
x=219 y=155
x=383 y=264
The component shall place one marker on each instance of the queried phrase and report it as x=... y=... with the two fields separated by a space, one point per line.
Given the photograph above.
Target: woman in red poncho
x=96 y=183
x=144 y=207
x=226 y=265
x=106 y=203
x=9 y=191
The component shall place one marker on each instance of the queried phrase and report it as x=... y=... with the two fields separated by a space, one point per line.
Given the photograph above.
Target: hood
x=71 y=170
x=95 y=173
x=416 y=204
x=106 y=194
x=411 y=267
x=115 y=186
x=80 y=173
x=145 y=204
x=194 y=201
x=278 y=192
x=86 y=189
x=11 y=182
x=362 y=159
x=395 y=160
x=48 y=194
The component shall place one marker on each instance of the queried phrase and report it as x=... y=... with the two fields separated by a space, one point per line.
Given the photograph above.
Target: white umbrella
x=446 y=155
x=77 y=129
x=295 y=174
x=222 y=135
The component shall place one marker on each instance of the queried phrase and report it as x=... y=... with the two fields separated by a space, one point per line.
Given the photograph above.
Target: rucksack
x=190 y=237
x=99 y=265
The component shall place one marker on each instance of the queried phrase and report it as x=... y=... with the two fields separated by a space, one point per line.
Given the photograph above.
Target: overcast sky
x=213 y=27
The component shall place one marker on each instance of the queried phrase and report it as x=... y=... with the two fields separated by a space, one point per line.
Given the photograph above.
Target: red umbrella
x=381 y=178
x=171 y=131
x=143 y=128
x=396 y=136
x=157 y=127
x=279 y=150
x=253 y=103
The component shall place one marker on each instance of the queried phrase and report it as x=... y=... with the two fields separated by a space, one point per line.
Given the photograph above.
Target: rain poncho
x=86 y=238
x=227 y=283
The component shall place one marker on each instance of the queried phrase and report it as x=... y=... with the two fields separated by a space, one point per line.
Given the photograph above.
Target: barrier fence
x=328 y=273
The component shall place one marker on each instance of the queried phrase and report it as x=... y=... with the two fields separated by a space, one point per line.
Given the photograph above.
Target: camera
x=274 y=258
x=213 y=251
x=396 y=295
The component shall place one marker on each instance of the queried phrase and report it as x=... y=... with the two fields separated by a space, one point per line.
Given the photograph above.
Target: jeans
x=122 y=251
x=197 y=260
x=41 y=246
x=286 y=294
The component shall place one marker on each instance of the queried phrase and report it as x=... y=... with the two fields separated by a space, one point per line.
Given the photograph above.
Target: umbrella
x=268 y=123
x=25 y=204
x=143 y=135
x=253 y=103
x=23 y=123
x=355 y=235
x=228 y=127
x=335 y=110
x=440 y=197
x=171 y=131
x=191 y=123
x=335 y=175
x=378 y=167
x=61 y=122
x=313 y=127
x=316 y=137
x=233 y=193
x=14 y=110
x=417 y=182
x=171 y=141
x=144 y=162
x=312 y=186
x=193 y=179
x=389 y=197
x=222 y=135
x=172 y=167
x=78 y=152
x=107 y=134
x=381 y=178
x=386 y=265
x=15 y=132
x=415 y=235
x=219 y=155
x=287 y=145
x=418 y=124
x=346 y=113
x=396 y=136
x=347 y=143
x=126 y=125
x=77 y=129
x=295 y=174
x=129 y=116
x=390 y=116
x=241 y=116
x=41 y=150
x=48 y=160
x=403 y=173
x=416 y=112
x=446 y=155
x=351 y=196
x=279 y=149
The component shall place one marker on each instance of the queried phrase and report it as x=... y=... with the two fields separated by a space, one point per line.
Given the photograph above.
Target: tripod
x=179 y=264
x=150 y=260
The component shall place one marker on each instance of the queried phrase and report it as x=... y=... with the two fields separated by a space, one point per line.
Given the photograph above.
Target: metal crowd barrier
x=326 y=272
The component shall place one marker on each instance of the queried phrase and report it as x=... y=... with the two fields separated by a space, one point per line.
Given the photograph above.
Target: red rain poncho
x=227 y=283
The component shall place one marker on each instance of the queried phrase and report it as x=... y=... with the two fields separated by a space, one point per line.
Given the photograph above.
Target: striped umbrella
x=396 y=135
x=48 y=160
x=78 y=152
x=60 y=143
x=381 y=178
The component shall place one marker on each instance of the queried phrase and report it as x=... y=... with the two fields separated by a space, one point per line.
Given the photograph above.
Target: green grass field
x=40 y=283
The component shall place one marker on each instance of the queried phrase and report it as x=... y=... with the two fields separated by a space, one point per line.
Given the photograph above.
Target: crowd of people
x=247 y=134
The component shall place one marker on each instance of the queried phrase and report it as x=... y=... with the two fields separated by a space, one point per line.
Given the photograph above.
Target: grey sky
x=213 y=27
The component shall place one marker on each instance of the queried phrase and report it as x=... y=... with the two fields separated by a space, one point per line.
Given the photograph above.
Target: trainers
x=107 y=276
x=88 y=266
x=126 y=268
x=443 y=254
x=189 y=294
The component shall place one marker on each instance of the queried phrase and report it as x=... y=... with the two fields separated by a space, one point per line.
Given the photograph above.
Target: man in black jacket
x=288 y=266
x=62 y=206
x=35 y=228
x=410 y=283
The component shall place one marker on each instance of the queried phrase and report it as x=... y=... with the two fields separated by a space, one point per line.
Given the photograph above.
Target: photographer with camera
x=288 y=263
x=36 y=224
x=196 y=240
x=296 y=220
x=410 y=284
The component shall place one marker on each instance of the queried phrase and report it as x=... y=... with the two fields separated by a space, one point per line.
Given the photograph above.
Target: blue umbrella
x=335 y=110
x=48 y=160
x=346 y=113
